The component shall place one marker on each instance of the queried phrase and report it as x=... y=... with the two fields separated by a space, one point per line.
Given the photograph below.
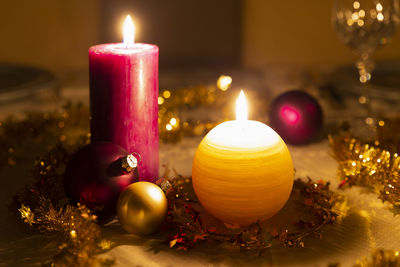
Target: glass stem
x=365 y=66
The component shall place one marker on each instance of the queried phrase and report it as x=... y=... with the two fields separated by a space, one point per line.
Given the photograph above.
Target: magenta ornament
x=296 y=116
x=97 y=174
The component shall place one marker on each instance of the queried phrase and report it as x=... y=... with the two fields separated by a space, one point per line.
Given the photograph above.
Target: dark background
x=190 y=33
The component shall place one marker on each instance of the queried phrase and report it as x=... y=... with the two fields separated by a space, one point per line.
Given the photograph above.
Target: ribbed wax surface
x=123 y=101
x=246 y=176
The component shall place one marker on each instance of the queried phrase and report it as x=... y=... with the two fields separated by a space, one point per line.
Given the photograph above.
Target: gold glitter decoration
x=75 y=226
x=365 y=165
x=105 y=244
x=381 y=258
x=174 y=123
x=37 y=131
x=26 y=214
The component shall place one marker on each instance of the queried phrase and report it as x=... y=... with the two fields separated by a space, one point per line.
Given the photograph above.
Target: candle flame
x=241 y=107
x=129 y=32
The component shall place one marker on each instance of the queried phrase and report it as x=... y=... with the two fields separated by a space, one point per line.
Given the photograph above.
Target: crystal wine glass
x=365 y=25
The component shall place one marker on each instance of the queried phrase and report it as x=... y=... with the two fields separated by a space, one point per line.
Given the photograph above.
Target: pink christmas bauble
x=296 y=116
x=97 y=174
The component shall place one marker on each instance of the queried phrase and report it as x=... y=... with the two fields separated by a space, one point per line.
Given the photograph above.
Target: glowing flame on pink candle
x=129 y=32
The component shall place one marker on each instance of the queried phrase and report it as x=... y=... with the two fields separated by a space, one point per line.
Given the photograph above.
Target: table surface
x=368 y=224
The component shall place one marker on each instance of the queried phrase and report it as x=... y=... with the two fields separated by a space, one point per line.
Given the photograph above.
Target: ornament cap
x=165 y=185
x=129 y=163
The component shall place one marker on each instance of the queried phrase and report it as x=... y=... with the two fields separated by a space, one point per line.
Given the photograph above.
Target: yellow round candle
x=242 y=170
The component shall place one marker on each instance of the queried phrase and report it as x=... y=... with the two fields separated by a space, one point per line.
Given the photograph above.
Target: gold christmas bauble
x=141 y=208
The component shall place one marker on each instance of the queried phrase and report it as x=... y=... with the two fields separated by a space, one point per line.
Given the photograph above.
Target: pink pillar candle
x=123 y=100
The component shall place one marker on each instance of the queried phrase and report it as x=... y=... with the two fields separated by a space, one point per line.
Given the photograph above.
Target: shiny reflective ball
x=296 y=116
x=95 y=177
x=142 y=208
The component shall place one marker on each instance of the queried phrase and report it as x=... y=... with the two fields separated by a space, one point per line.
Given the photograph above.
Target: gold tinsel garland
x=174 y=123
x=375 y=165
x=381 y=258
x=76 y=229
x=363 y=164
